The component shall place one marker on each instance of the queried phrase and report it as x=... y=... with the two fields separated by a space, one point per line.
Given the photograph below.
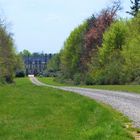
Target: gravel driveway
x=127 y=103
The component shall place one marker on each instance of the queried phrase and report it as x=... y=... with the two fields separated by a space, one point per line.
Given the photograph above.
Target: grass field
x=51 y=81
x=127 y=88
x=28 y=112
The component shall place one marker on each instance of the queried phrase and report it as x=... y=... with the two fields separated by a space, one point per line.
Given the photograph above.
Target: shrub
x=20 y=74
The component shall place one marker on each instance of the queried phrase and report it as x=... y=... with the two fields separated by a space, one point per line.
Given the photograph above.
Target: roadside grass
x=51 y=81
x=126 y=88
x=29 y=112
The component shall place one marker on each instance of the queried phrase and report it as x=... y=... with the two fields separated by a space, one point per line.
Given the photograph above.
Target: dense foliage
x=71 y=66
x=53 y=64
x=110 y=60
x=102 y=50
x=26 y=53
x=135 y=7
x=131 y=51
x=10 y=61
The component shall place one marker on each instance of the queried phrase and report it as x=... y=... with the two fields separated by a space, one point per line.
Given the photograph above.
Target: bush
x=20 y=74
x=89 y=80
x=77 y=78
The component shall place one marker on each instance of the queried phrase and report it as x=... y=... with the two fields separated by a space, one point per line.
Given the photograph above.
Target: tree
x=7 y=55
x=135 y=7
x=72 y=51
x=25 y=53
x=83 y=42
x=113 y=39
x=94 y=37
x=131 y=51
x=19 y=66
x=53 y=65
x=109 y=69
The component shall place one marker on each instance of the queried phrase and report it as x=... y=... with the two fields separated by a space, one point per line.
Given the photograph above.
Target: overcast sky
x=43 y=25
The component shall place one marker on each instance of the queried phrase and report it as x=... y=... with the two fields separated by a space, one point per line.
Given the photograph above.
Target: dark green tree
x=25 y=53
x=135 y=7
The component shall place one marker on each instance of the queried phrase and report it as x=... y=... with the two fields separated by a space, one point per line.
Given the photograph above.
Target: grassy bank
x=51 y=81
x=127 y=88
x=28 y=112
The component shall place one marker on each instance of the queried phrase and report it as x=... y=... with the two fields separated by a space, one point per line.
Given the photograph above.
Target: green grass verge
x=127 y=88
x=51 y=81
x=28 y=112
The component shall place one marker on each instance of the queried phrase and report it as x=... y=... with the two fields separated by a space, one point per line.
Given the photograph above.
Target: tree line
x=27 y=53
x=104 y=49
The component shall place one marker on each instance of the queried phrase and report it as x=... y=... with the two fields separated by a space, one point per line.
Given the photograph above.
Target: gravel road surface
x=127 y=103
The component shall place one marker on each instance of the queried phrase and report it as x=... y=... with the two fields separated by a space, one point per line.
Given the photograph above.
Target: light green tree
x=131 y=51
x=109 y=69
x=8 y=57
x=72 y=51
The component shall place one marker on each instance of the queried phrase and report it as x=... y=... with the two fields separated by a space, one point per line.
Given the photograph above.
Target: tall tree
x=72 y=51
x=97 y=26
x=135 y=7
x=7 y=55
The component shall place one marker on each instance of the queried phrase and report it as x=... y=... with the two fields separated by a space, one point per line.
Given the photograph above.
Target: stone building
x=36 y=64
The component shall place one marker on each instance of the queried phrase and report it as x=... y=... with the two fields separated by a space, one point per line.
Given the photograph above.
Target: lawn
x=51 y=81
x=28 y=112
x=127 y=88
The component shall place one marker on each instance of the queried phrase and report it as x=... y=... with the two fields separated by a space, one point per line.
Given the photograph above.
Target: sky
x=44 y=25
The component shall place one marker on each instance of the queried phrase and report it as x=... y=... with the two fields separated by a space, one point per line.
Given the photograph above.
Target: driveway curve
x=126 y=103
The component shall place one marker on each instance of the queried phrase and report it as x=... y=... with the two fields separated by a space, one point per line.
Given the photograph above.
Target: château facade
x=36 y=64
